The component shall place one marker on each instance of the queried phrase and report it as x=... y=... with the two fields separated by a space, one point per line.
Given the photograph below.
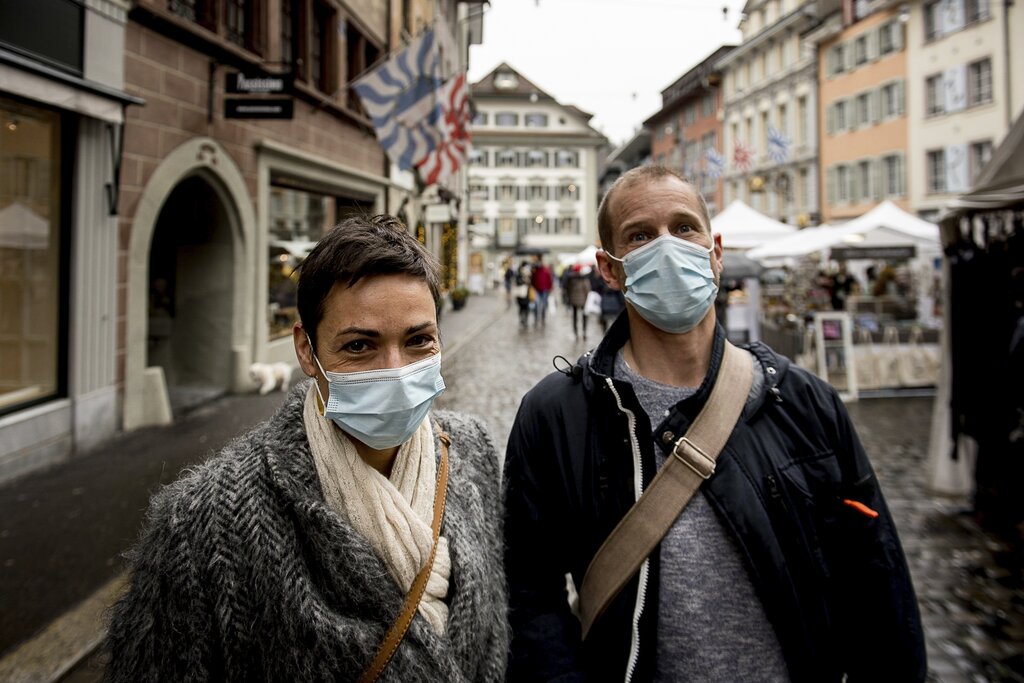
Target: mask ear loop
x=324 y=373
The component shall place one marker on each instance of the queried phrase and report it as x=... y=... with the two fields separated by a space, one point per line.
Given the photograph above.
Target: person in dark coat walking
x=577 y=287
x=786 y=564
x=289 y=555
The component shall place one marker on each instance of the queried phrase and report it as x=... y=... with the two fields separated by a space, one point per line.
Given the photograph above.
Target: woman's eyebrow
x=419 y=328
x=362 y=331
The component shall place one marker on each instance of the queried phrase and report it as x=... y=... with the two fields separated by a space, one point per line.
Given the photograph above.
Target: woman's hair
x=358 y=247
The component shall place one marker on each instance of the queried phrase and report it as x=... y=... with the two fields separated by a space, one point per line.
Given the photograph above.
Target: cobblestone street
x=968 y=582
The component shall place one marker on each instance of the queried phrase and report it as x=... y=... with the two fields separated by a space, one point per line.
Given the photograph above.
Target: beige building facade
x=964 y=71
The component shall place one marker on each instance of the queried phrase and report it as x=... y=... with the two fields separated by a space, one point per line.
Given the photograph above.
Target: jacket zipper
x=638 y=489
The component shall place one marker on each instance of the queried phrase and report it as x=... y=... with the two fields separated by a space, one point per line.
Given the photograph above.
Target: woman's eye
x=421 y=340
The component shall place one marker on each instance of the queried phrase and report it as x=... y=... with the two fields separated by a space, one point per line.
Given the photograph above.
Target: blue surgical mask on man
x=670 y=282
x=382 y=408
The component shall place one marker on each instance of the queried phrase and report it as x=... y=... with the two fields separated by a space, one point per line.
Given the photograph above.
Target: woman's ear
x=303 y=350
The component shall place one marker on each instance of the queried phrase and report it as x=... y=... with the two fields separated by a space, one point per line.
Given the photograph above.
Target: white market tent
x=741 y=227
x=886 y=225
x=23 y=228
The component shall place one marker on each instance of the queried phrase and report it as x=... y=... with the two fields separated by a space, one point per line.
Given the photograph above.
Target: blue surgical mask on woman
x=382 y=408
x=670 y=282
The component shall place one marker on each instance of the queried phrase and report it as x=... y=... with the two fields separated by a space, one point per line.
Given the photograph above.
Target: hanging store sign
x=438 y=213
x=887 y=253
x=238 y=83
x=262 y=108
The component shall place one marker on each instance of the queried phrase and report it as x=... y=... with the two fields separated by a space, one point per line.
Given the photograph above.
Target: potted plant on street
x=459 y=296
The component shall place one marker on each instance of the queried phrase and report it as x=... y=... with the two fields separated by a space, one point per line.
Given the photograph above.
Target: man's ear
x=608 y=269
x=717 y=253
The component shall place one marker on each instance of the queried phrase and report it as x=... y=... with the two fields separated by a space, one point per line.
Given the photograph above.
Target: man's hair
x=649 y=173
x=358 y=247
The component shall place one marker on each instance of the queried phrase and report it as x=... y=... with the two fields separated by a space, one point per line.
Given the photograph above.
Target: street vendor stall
x=977 y=439
x=882 y=270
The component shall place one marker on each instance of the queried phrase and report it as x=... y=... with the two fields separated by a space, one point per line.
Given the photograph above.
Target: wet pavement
x=969 y=582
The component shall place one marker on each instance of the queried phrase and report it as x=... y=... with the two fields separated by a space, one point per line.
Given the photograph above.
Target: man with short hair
x=784 y=566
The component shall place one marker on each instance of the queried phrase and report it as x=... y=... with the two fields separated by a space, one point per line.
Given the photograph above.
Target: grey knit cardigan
x=243 y=573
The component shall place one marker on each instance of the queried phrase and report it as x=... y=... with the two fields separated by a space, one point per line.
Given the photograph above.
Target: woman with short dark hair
x=304 y=548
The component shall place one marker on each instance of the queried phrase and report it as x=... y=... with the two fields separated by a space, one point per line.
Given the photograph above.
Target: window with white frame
x=536 y=192
x=505 y=158
x=506 y=118
x=934 y=96
x=479 y=191
x=536 y=120
x=932 y=20
x=890 y=104
x=707 y=104
x=568 y=225
x=565 y=158
x=981 y=153
x=568 y=191
x=860 y=50
x=936 y=170
x=480 y=118
x=975 y=10
x=892 y=175
x=477 y=157
x=862 y=115
x=979 y=82
x=507 y=192
x=842 y=184
x=536 y=158
x=840 y=115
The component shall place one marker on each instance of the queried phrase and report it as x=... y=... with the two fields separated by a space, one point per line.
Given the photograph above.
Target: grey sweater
x=244 y=573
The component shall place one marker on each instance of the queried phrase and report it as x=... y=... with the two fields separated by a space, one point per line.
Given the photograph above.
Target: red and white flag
x=742 y=157
x=451 y=152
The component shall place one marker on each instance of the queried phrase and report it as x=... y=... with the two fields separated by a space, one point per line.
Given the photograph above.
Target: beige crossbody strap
x=393 y=638
x=650 y=518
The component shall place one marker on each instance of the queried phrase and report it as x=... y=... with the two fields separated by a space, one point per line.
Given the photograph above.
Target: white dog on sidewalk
x=271 y=376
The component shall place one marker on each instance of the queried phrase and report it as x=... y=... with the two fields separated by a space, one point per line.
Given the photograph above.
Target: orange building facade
x=862 y=67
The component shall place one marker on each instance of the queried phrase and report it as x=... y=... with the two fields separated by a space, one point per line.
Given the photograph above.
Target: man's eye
x=638 y=237
x=684 y=227
x=356 y=346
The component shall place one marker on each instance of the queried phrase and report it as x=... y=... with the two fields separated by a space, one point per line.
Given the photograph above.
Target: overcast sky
x=611 y=58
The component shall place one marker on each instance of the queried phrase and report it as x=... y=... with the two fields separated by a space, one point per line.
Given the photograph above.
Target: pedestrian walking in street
x=713 y=506
x=510 y=280
x=542 y=282
x=524 y=293
x=577 y=286
x=306 y=547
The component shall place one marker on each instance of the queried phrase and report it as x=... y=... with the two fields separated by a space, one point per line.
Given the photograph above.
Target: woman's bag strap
x=393 y=638
x=692 y=462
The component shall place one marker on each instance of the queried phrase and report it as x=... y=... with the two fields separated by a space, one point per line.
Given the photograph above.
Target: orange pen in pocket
x=860 y=507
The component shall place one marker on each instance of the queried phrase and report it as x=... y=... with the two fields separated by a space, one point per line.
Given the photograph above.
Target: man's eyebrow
x=681 y=213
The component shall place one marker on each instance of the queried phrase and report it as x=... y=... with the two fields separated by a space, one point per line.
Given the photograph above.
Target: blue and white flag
x=778 y=145
x=403 y=99
x=715 y=163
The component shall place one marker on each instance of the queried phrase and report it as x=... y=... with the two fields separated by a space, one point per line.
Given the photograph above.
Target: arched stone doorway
x=202 y=175
x=191 y=264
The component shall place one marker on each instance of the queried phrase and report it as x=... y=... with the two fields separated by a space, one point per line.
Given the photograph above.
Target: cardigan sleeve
x=161 y=629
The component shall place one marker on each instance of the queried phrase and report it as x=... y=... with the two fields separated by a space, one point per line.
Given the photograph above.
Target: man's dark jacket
x=833 y=579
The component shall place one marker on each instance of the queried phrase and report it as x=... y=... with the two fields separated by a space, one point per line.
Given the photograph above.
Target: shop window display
x=30 y=254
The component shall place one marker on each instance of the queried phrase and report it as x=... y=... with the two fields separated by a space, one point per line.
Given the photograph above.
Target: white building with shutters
x=533 y=170
x=964 y=75
x=770 y=90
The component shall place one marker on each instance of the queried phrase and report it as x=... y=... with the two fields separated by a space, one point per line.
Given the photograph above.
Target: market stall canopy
x=741 y=227
x=737 y=266
x=587 y=257
x=23 y=228
x=886 y=231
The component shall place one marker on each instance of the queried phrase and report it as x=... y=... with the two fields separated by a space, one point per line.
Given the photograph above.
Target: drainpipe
x=1007 y=4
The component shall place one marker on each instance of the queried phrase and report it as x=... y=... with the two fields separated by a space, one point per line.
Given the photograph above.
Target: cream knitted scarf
x=393 y=514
